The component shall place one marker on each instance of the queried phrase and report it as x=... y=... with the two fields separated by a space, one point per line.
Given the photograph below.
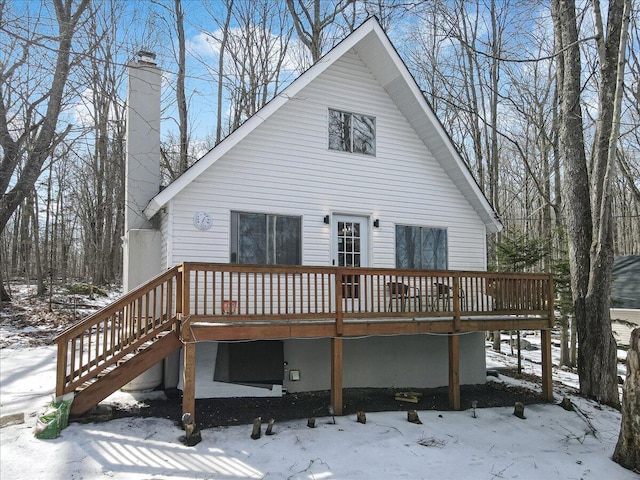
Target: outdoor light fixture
x=376 y=223
x=326 y=219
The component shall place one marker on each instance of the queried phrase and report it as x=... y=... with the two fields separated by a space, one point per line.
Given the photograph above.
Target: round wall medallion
x=202 y=220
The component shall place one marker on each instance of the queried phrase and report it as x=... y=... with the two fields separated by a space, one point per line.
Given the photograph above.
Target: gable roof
x=373 y=46
x=625 y=284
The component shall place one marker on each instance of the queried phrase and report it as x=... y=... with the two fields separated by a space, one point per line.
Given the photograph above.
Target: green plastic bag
x=63 y=403
x=55 y=418
x=48 y=424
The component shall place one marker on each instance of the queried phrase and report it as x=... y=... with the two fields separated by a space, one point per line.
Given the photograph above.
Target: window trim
x=351 y=136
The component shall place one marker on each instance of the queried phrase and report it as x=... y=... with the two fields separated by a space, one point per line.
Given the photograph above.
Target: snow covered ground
x=550 y=443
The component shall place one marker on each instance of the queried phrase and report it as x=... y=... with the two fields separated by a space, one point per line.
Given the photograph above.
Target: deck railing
x=232 y=294
x=102 y=339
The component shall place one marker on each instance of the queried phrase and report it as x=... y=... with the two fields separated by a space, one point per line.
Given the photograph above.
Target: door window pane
x=349 y=255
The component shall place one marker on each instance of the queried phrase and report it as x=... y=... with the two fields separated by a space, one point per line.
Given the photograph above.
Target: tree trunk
x=588 y=202
x=44 y=135
x=4 y=295
x=497 y=339
x=573 y=346
x=221 y=54
x=565 y=359
x=180 y=95
x=33 y=208
x=309 y=15
x=627 y=451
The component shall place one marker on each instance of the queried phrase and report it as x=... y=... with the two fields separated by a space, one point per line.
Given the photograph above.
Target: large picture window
x=265 y=239
x=352 y=132
x=421 y=248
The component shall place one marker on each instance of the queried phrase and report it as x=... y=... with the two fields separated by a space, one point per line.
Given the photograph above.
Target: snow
x=551 y=443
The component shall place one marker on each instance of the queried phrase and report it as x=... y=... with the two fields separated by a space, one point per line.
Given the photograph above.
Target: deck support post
x=189 y=346
x=61 y=366
x=454 y=371
x=547 y=374
x=189 y=380
x=336 y=375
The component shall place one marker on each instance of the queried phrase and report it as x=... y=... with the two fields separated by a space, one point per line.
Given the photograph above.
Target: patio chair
x=399 y=294
x=443 y=294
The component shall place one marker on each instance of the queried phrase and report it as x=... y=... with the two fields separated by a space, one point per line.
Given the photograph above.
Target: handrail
x=103 y=338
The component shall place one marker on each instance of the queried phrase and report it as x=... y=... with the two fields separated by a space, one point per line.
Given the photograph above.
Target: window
x=264 y=239
x=351 y=132
x=421 y=248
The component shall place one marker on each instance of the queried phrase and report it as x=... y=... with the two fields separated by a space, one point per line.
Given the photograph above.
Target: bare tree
x=251 y=58
x=311 y=18
x=588 y=191
x=99 y=187
x=29 y=129
x=469 y=83
x=221 y=55
x=180 y=95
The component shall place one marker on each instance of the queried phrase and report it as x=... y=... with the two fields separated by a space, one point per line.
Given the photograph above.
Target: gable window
x=352 y=132
x=266 y=239
x=422 y=248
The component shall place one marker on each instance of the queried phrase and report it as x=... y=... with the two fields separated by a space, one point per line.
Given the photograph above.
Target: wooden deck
x=217 y=302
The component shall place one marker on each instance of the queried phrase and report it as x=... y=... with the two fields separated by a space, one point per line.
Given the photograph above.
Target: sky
x=550 y=443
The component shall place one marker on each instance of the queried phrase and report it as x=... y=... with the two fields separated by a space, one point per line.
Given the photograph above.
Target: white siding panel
x=285 y=167
x=164 y=231
x=623 y=321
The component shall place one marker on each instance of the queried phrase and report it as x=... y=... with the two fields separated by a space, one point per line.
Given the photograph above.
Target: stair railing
x=101 y=340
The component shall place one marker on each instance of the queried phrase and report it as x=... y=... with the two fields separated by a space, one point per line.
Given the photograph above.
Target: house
x=336 y=239
x=625 y=297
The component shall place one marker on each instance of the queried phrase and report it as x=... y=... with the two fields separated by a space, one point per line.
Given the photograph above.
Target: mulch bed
x=216 y=412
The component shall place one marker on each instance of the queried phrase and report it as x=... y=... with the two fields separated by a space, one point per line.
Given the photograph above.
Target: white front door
x=350 y=242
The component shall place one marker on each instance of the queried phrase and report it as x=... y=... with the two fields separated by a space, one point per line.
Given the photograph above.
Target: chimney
x=143 y=139
x=141 y=243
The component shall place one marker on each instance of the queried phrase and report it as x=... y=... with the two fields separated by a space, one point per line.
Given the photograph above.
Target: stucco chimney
x=141 y=242
x=143 y=139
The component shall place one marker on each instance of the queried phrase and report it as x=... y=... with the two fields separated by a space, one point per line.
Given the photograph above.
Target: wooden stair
x=92 y=392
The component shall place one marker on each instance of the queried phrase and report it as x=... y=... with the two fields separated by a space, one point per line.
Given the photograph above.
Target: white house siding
x=285 y=167
x=623 y=321
x=164 y=230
